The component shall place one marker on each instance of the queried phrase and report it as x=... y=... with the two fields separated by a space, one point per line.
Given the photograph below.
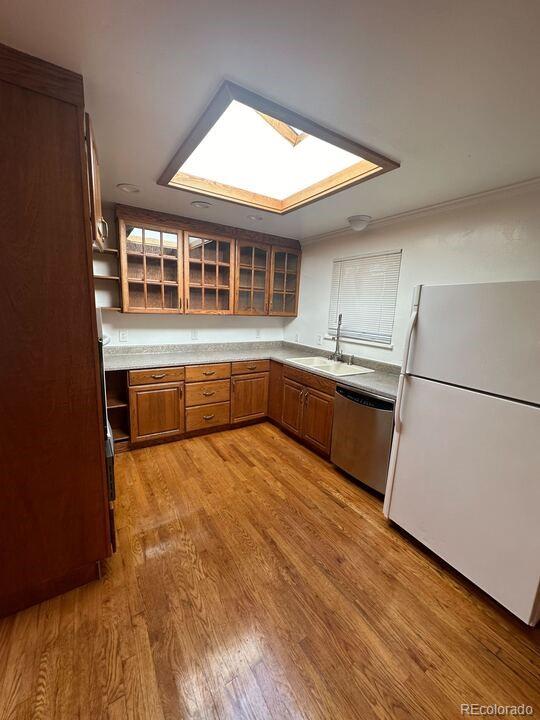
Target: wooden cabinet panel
x=219 y=371
x=199 y=418
x=247 y=366
x=205 y=393
x=317 y=416
x=249 y=396
x=275 y=391
x=156 y=411
x=252 y=278
x=156 y=375
x=209 y=273
x=284 y=281
x=100 y=230
x=291 y=411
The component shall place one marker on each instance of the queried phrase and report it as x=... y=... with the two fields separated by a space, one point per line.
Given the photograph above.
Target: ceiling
x=449 y=89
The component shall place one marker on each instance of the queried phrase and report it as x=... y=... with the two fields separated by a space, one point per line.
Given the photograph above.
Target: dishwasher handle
x=363 y=399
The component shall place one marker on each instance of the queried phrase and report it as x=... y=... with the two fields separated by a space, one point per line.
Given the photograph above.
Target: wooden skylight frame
x=287 y=123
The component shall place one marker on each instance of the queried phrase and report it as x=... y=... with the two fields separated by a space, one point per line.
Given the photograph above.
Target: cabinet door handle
x=209 y=372
x=209 y=393
x=208 y=417
x=159 y=377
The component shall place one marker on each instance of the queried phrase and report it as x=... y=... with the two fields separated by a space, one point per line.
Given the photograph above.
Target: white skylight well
x=248 y=150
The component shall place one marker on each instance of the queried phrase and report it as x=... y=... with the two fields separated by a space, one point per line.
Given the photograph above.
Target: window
x=364 y=291
x=251 y=151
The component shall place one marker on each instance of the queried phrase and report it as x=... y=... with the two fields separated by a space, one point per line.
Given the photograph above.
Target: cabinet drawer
x=204 y=393
x=198 y=418
x=248 y=366
x=311 y=380
x=156 y=375
x=218 y=371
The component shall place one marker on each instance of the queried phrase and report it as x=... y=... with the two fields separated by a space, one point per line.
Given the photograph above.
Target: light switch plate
x=123 y=336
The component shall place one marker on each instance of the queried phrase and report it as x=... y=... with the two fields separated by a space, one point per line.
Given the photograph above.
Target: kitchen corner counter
x=383 y=381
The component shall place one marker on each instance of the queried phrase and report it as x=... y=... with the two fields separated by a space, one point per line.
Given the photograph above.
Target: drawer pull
x=209 y=372
x=159 y=377
x=208 y=417
x=252 y=367
x=209 y=393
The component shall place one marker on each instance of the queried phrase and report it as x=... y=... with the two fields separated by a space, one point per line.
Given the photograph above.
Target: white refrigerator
x=464 y=472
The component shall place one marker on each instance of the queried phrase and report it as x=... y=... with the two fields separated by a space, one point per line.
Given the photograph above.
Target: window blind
x=364 y=291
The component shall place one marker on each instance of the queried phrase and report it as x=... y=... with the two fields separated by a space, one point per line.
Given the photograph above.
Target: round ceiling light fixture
x=255 y=218
x=359 y=222
x=128 y=188
x=201 y=204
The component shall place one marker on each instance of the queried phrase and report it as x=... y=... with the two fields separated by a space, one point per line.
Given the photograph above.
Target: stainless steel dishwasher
x=362 y=436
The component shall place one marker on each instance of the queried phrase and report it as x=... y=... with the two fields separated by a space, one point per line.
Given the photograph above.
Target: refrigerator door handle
x=403 y=375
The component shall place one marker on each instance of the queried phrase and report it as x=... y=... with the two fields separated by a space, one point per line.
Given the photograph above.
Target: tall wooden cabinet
x=53 y=490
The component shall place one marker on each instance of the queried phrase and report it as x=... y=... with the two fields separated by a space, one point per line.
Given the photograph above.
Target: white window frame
x=359 y=335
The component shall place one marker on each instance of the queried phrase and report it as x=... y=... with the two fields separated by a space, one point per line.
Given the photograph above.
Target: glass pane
x=259 y=279
x=136 y=295
x=152 y=242
x=224 y=251
x=292 y=262
x=134 y=241
x=246 y=254
x=135 y=267
x=244 y=300
x=223 y=275
x=277 y=302
x=291 y=283
x=210 y=250
x=223 y=300
x=259 y=257
x=290 y=302
x=170 y=296
x=279 y=260
x=210 y=275
x=195 y=273
x=153 y=296
x=210 y=299
x=195 y=299
x=279 y=281
x=170 y=244
x=258 y=301
x=170 y=270
x=195 y=248
x=245 y=278
x=153 y=268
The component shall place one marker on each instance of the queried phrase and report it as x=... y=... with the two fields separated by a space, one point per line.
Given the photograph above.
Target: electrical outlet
x=258 y=333
x=194 y=334
x=319 y=339
x=123 y=336
x=297 y=337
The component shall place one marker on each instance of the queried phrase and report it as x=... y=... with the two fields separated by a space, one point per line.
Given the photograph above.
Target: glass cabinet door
x=209 y=273
x=151 y=268
x=285 y=276
x=252 y=264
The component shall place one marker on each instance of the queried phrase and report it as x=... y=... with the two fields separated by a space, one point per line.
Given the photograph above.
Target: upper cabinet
x=100 y=229
x=209 y=274
x=151 y=268
x=284 y=281
x=252 y=278
x=170 y=264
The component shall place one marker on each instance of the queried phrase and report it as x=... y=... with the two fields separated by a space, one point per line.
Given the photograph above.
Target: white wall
x=495 y=238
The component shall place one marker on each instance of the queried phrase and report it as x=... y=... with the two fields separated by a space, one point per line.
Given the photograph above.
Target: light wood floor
x=255 y=581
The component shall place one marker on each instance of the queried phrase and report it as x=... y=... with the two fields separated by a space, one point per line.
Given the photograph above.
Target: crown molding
x=514 y=189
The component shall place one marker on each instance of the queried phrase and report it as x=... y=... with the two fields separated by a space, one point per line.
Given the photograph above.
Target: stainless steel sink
x=332 y=367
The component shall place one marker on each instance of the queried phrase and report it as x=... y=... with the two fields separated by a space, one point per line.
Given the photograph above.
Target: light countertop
x=383 y=381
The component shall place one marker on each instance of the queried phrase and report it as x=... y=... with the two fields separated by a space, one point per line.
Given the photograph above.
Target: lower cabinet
x=308 y=413
x=249 y=396
x=156 y=411
x=292 y=405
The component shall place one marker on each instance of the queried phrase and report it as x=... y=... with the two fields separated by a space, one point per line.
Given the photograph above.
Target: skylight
x=248 y=150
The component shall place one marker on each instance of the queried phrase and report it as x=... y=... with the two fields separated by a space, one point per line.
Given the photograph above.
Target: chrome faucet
x=337 y=354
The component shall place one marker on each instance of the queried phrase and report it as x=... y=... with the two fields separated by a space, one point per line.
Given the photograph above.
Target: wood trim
x=282 y=120
x=40 y=76
x=179 y=222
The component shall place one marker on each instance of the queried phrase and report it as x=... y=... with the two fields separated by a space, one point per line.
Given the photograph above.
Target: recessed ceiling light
x=128 y=187
x=201 y=204
x=256 y=218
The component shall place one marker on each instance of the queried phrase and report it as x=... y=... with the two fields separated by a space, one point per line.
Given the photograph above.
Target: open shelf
x=107 y=277
x=115 y=402
x=105 y=251
x=120 y=434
